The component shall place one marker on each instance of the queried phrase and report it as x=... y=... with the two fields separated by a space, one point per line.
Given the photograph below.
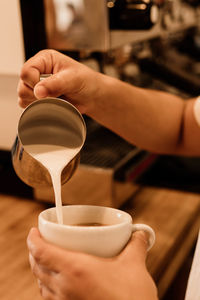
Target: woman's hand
x=67 y=275
x=70 y=79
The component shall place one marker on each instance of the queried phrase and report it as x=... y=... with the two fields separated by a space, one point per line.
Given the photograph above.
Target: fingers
x=49 y=256
x=68 y=81
x=44 y=254
x=41 y=63
x=136 y=248
x=25 y=94
x=55 y=268
x=46 y=265
x=43 y=275
x=45 y=292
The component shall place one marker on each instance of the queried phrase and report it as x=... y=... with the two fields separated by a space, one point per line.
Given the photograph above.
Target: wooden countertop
x=174 y=215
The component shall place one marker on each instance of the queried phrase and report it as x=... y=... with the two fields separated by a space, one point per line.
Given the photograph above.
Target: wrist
x=102 y=95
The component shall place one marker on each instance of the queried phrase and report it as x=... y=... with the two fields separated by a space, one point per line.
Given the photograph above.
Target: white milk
x=54 y=158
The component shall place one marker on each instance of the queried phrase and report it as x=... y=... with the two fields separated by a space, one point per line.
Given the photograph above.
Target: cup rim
x=41 y=218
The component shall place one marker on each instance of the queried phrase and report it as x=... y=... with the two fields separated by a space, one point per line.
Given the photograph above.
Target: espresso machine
x=120 y=38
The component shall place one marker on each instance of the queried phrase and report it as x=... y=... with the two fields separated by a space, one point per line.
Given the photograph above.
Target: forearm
x=152 y=120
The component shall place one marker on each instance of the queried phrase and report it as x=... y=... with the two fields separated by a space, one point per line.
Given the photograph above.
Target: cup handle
x=148 y=230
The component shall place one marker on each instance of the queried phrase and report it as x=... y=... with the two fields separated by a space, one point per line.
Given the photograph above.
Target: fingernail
x=40 y=91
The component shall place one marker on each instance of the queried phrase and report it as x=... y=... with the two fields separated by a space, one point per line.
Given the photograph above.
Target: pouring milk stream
x=54 y=158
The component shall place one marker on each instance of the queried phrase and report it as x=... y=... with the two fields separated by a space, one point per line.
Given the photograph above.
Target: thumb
x=136 y=248
x=51 y=85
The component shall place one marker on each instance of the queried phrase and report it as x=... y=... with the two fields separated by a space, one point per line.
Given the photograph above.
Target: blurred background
x=152 y=44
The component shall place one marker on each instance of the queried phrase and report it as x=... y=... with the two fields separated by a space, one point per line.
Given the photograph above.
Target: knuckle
x=52 y=51
x=21 y=92
x=34 y=269
x=77 y=271
x=38 y=254
x=44 y=293
x=23 y=103
x=24 y=74
x=45 y=51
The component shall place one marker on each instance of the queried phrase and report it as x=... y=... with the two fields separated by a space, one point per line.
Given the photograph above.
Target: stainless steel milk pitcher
x=47 y=121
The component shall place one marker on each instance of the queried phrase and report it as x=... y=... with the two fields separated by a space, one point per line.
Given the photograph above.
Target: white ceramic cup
x=105 y=241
